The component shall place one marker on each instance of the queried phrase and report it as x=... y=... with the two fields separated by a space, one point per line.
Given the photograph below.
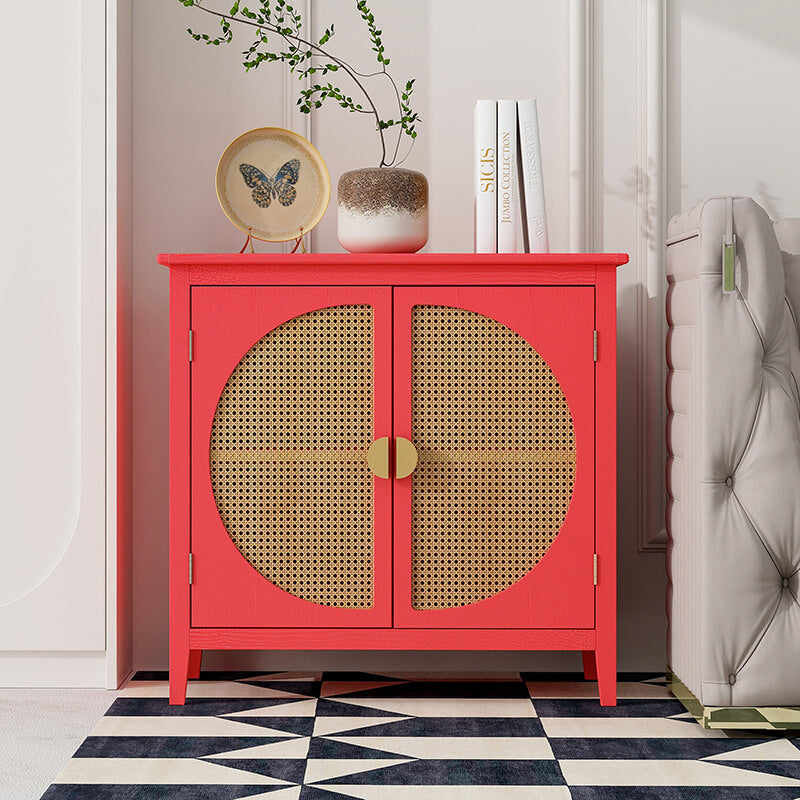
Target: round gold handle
x=405 y=458
x=378 y=457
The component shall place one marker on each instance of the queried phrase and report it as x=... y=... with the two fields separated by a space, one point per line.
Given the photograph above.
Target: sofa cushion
x=747 y=479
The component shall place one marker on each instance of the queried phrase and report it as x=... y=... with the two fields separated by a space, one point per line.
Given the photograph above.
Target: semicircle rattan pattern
x=497 y=457
x=288 y=456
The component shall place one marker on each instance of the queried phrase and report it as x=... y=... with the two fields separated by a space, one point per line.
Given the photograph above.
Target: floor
x=39 y=730
x=404 y=736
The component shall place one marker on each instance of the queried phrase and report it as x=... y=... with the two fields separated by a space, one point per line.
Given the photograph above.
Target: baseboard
x=57 y=670
x=771 y=718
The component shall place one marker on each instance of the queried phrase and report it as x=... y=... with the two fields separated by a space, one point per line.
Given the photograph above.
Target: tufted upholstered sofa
x=733 y=441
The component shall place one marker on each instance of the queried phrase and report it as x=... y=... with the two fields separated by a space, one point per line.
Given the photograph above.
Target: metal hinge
x=191 y=345
x=191 y=568
x=595 y=569
x=595 y=345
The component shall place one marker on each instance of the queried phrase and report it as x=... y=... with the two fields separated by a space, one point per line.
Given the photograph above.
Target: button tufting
x=731 y=679
x=785 y=583
x=729 y=481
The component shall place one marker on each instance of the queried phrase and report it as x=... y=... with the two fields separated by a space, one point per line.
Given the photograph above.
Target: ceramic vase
x=383 y=210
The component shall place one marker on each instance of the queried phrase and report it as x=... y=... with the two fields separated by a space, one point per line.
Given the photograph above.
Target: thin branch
x=410 y=148
x=400 y=107
x=298 y=52
x=346 y=67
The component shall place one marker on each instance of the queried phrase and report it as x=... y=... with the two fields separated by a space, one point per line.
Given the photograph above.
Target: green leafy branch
x=279 y=38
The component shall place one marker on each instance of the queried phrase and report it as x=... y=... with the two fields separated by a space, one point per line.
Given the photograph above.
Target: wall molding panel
x=580 y=146
x=293 y=120
x=651 y=205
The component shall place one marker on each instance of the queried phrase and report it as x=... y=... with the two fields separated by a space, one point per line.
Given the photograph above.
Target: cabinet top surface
x=421 y=261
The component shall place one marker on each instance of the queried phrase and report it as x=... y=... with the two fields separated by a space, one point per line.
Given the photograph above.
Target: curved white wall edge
x=54 y=632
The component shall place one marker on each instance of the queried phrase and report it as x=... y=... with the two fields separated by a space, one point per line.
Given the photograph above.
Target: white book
x=506 y=176
x=486 y=176
x=531 y=184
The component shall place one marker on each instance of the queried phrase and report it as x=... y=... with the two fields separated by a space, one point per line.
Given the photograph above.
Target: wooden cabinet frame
x=464 y=275
x=226 y=322
x=558 y=322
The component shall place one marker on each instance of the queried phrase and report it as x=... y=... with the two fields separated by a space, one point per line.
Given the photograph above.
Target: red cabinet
x=383 y=452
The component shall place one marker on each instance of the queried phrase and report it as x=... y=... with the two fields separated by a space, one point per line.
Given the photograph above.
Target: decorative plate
x=273 y=184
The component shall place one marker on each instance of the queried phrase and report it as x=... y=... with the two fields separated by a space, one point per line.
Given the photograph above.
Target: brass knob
x=378 y=457
x=405 y=458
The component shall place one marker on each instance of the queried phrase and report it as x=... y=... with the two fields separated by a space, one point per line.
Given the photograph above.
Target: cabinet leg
x=178 y=675
x=194 y=664
x=606 y=659
x=589 y=665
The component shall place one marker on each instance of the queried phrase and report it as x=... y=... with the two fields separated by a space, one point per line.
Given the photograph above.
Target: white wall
x=733 y=108
x=190 y=101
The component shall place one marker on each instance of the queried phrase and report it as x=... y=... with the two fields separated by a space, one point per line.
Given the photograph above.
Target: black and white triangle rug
x=411 y=736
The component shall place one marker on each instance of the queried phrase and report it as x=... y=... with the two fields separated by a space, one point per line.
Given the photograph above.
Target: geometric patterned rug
x=413 y=736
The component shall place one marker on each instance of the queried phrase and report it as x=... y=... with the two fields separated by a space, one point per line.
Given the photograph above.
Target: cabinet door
x=290 y=386
x=495 y=388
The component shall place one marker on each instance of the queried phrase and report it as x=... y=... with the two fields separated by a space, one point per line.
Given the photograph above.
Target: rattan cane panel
x=497 y=457
x=288 y=456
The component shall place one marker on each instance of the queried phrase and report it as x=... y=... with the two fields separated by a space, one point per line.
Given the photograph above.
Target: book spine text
x=534 y=217
x=486 y=176
x=506 y=176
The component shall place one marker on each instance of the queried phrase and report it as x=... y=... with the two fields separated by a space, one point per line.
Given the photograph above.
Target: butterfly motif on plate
x=266 y=187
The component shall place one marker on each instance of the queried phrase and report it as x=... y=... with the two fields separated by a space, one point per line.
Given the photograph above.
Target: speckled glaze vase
x=383 y=210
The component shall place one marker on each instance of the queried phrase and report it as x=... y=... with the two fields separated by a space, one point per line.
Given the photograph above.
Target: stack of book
x=508 y=178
